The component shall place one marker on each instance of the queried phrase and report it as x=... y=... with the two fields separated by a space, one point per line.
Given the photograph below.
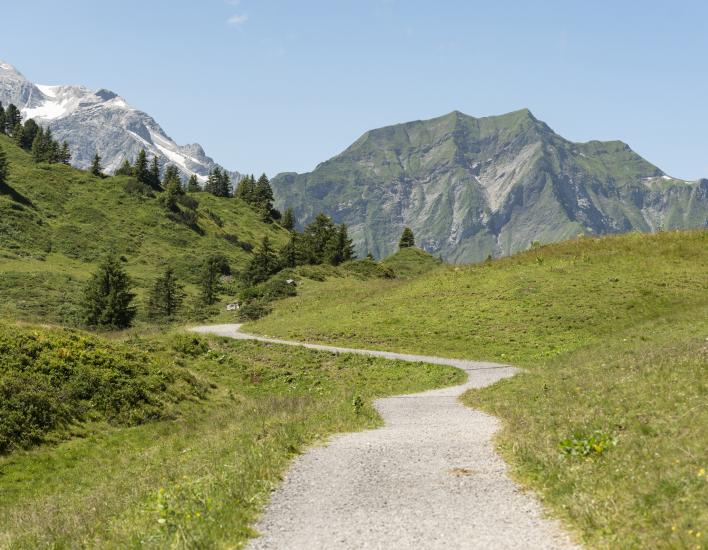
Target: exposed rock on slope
x=99 y=121
x=469 y=187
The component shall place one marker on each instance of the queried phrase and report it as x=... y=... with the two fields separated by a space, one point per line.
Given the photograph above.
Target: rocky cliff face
x=470 y=187
x=99 y=121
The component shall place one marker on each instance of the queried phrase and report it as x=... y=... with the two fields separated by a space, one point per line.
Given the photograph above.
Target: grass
x=200 y=478
x=57 y=222
x=608 y=422
x=411 y=262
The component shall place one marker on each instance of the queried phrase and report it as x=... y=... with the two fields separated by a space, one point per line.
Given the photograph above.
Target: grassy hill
x=56 y=222
x=411 y=262
x=608 y=420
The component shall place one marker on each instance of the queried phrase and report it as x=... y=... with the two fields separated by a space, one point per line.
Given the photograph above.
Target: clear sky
x=281 y=85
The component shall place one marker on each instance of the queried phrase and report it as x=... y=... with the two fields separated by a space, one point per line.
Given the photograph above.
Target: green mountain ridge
x=470 y=187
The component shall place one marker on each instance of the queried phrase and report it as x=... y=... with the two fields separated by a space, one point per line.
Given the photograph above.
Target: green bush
x=49 y=379
x=369 y=269
x=253 y=310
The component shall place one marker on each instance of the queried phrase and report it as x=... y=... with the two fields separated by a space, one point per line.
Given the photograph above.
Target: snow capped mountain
x=100 y=121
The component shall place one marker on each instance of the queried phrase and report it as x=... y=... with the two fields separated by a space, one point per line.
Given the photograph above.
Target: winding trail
x=429 y=478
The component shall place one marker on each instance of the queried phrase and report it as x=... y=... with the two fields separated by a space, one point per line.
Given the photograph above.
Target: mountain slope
x=57 y=222
x=469 y=187
x=99 y=121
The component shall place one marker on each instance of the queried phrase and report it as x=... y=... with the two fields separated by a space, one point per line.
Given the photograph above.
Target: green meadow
x=608 y=420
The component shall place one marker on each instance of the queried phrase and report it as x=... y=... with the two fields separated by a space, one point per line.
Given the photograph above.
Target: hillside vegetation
x=183 y=436
x=608 y=420
x=57 y=222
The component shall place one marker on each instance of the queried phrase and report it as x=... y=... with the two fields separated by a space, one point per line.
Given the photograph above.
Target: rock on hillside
x=469 y=187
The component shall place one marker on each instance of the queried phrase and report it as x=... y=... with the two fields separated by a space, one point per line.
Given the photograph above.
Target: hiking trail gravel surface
x=428 y=479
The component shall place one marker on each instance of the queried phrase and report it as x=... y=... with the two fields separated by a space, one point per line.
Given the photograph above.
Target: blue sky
x=276 y=85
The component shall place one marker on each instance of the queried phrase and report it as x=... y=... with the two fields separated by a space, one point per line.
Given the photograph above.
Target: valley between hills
x=583 y=266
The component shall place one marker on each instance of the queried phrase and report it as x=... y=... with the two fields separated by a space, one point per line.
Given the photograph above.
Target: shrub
x=253 y=310
x=51 y=379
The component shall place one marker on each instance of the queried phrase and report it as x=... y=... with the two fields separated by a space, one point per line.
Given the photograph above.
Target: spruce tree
x=64 y=154
x=224 y=185
x=13 y=117
x=172 y=185
x=3 y=127
x=96 y=168
x=209 y=284
x=316 y=237
x=18 y=136
x=166 y=296
x=154 y=177
x=339 y=248
x=172 y=177
x=107 y=296
x=4 y=168
x=288 y=255
x=263 y=193
x=125 y=169
x=245 y=189
x=193 y=184
x=40 y=150
x=213 y=181
x=288 y=221
x=263 y=264
x=25 y=137
x=407 y=239
x=140 y=168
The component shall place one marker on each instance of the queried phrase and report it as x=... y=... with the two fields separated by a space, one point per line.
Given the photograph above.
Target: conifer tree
x=219 y=183
x=25 y=137
x=288 y=221
x=246 y=188
x=125 y=169
x=140 y=168
x=64 y=155
x=316 y=236
x=263 y=193
x=209 y=283
x=13 y=117
x=166 y=296
x=171 y=177
x=107 y=296
x=263 y=264
x=172 y=184
x=288 y=255
x=4 y=168
x=39 y=146
x=154 y=178
x=339 y=248
x=193 y=184
x=96 y=168
x=18 y=136
x=3 y=129
x=407 y=239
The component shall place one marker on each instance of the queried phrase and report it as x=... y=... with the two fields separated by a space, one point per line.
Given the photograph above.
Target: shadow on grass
x=16 y=196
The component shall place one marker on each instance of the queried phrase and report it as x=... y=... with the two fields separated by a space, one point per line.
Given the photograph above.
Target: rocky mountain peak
x=100 y=121
x=470 y=187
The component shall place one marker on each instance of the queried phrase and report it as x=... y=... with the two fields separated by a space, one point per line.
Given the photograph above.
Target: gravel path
x=430 y=478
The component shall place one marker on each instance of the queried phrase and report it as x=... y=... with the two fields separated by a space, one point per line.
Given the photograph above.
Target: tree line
x=30 y=136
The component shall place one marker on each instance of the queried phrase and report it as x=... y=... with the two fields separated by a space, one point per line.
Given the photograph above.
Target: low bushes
x=49 y=379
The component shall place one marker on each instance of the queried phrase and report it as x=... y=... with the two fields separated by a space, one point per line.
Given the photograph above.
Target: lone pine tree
x=166 y=296
x=407 y=239
x=107 y=296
